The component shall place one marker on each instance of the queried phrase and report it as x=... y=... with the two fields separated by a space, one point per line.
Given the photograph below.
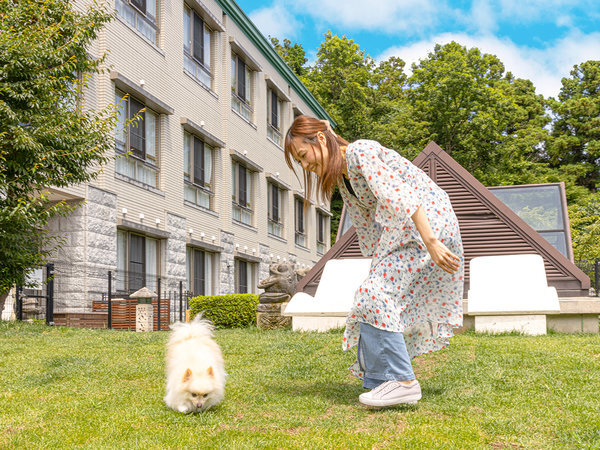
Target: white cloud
x=544 y=67
x=482 y=16
x=388 y=16
x=276 y=21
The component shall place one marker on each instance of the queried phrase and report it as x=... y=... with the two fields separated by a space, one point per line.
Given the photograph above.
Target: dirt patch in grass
x=505 y=445
x=427 y=364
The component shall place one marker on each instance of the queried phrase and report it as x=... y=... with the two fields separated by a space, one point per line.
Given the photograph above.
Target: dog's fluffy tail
x=196 y=328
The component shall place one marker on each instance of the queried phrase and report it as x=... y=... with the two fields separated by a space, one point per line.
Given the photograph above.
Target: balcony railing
x=274 y=134
x=300 y=239
x=240 y=106
x=197 y=70
x=137 y=20
x=242 y=214
x=275 y=228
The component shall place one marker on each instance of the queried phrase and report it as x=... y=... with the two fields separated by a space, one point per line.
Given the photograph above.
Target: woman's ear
x=321 y=137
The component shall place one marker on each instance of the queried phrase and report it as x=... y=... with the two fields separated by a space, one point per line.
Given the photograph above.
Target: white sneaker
x=392 y=393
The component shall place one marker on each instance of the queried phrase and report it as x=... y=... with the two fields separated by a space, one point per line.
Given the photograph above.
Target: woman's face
x=312 y=157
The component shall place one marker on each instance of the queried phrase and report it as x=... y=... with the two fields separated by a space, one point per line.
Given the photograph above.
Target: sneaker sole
x=405 y=401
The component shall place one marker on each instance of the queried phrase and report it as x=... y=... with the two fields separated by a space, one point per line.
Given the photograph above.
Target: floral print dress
x=405 y=290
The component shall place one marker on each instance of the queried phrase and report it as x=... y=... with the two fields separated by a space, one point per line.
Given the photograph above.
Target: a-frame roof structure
x=488 y=227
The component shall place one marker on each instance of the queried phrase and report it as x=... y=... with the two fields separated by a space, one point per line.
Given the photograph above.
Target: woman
x=412 y=298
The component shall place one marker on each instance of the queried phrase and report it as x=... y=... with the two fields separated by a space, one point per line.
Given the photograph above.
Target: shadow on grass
x=340 y=393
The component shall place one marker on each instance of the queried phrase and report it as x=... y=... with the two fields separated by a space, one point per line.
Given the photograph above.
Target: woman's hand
x=328 y=125
x=442 y=256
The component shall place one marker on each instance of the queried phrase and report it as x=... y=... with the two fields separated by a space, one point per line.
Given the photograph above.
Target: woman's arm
x=440 y=254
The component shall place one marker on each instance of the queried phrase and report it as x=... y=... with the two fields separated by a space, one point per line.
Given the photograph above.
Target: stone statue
x=280 y=285
x=279 y=288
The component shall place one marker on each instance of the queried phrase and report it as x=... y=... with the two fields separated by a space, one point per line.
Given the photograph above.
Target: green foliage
x=576 y=129
x=227 y=311
x=47 y=137
x=340 y=81
x=293 y=55
x=585 y=228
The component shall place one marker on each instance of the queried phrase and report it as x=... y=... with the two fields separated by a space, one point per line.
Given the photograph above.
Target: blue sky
x=539 y=40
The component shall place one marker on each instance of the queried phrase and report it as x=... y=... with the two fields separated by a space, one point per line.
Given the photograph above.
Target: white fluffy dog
x=195 y=369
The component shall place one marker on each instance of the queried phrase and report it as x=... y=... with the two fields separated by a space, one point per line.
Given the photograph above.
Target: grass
x=62 y=387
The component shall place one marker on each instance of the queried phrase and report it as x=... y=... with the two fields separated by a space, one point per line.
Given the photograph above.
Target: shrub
x=226 y=311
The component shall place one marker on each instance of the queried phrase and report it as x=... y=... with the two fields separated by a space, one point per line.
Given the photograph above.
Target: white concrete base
x=527 y=324
x=315 y=323
x=144 y=317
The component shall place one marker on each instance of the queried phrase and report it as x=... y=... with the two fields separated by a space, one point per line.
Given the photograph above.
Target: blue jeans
x=382 y=356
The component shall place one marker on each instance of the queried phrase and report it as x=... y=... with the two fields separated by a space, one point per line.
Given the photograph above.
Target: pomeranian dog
x=195 y=369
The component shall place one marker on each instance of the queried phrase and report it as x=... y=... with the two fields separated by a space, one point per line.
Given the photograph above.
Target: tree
x=47 y=137
x=585 y=228
x=340 y=81
x=293 y=55
x=576 y=128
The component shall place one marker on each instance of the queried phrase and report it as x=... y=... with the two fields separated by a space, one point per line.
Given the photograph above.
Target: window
x=274 y=117
x=196 y=47
x=299 y=219
x=199 y=271
x=241 y=87
x=137 y=262
x=242 y=193
x=276 y=208
x=141 y=15
x=198 y=170
x=244 y=276
x=136 y=143
x=321 y=222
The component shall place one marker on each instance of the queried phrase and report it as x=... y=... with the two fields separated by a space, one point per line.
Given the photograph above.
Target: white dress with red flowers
x=405 y=290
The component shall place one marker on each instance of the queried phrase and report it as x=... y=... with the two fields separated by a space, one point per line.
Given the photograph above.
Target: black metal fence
x=36 y=299
x=592 y=269
x=171 y=304
x=74 y=294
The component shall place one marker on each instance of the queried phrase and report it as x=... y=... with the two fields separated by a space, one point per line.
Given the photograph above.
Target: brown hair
x=306 y=128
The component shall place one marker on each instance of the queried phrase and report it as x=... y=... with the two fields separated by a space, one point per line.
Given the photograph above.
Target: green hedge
x=226 y=311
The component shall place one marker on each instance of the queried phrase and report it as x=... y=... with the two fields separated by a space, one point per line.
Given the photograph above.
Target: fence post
x=109 y=299
x=180 y=300
x=19 y=303
x=50 y=294
x=158 y=305
x=597 y=277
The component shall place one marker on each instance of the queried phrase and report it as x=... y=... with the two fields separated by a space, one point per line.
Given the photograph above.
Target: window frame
x=207 y=277
x=124 y=271
x=274 y=131
x=142 y=158
x=250 y=275
x=189 y=168
x=248 y=202
x=321 y=231
x=299 y=222
x=275 y=223
x=189 y=48
x=245 y=101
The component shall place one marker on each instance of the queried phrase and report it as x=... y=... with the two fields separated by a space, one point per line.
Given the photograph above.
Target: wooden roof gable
x=488 y=227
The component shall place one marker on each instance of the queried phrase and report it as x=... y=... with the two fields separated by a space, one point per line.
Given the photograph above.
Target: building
x=205 y=196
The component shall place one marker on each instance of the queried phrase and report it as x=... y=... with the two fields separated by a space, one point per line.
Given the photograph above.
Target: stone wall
x=175 y=252
x=227 y=272
x=265 y=257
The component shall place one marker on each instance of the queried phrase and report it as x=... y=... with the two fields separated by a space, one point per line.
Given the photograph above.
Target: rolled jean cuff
x=406 y=376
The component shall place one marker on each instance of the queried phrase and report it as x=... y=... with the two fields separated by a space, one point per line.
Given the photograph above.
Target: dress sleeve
x=395 y=188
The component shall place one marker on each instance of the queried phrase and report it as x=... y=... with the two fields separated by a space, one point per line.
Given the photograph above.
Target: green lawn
x=62 y=387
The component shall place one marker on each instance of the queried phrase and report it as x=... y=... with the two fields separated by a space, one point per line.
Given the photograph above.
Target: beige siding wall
x=161 y=66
